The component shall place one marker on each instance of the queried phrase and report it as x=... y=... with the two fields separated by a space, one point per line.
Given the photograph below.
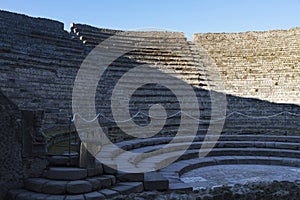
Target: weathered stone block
x=128 y=187
x=54 y=187
x=94 y=196
x=155 y=181
x=79 y=187
x=35 y=184
x=109 y=193
x=65 y=173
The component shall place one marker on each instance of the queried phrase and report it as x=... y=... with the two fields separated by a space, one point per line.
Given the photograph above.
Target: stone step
x=65 y=173
x=176 y=169
x=155 y=181
x=63 y=160
x=130 y=41
x=168 y=157
x=285 y=148
x=180 y=187
x=103 y=181
x=79 y=187
x=151 y=180
x=128 y=187
x=221 y=148
x=48 y=186
x=87 y=29
x=108 y=193
x=133 y=144
x=22 y=194
x=284 y=142
x=60 y=171
x=122 y=188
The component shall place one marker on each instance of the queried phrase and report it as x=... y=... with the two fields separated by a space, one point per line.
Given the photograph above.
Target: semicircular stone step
x=47 y=186
x=64 y=160
x=79 y=187
x=22 y=194
x=65 y=173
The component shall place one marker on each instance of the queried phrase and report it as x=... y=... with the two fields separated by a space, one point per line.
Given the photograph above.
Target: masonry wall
x=39 y=61
x=245 y=114
x=11 y=168
x=258 y=65
x=165 y=50
x=262 y=65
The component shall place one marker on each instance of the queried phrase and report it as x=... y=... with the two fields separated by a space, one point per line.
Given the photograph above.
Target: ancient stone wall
x=262 y=65
x=167 y=51
x=244 y=114
x=39 y=61
x=258 y=65
x=11 y=168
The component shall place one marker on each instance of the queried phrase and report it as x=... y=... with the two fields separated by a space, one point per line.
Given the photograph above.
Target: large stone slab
x=28 y=195
x=79 y=187
x=128 y=187
x=35 y=184
x=106 y=180
x=94 y=196
x=54 y=187
x=65 y=173
x=155 y=181
x=109 y=193
x=112 y=178
x=95 y=182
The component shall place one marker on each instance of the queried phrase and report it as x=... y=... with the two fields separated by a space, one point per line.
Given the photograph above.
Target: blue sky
x=189 y=16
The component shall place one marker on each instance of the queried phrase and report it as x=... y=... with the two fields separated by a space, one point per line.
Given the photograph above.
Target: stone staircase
x=167 y=51
x=63 y=179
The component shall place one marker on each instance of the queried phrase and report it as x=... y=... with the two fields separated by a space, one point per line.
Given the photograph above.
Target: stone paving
x=206 y=177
